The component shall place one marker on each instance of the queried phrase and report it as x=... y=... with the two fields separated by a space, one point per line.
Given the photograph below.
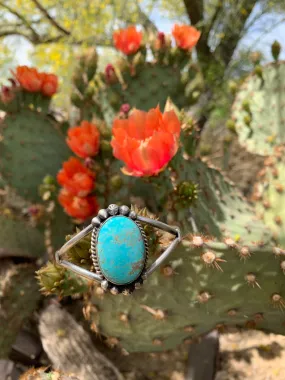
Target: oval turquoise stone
x=120 y=250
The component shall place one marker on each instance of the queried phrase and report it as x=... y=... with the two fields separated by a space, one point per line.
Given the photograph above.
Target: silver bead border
x=102 y=216
x=96 y=222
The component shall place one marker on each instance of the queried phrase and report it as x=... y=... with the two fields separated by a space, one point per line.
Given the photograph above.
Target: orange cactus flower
x=146 y=141
x=128 y=40
x=84 y=140
x=76 y=178
x=186 y=36
x=29 y=78
x=49 y=84
x=76 y=207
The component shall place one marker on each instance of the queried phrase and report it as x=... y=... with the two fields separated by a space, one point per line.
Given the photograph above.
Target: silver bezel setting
x=111 y=212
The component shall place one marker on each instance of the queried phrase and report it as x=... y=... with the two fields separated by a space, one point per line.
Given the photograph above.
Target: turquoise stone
x=120 y=250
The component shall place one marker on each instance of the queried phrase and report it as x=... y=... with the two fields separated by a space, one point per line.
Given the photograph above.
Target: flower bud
x=275 y=50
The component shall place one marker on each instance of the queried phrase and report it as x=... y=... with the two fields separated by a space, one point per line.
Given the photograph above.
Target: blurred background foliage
x=49 y=33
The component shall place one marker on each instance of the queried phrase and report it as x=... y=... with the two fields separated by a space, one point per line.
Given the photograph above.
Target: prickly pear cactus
x=18 y=238
x=19 y=295
x=147 y=86
x=258 y=111
x=32 y=147
x=46 y=374
x=269 y=194
x=204 y=285
x=219 y=210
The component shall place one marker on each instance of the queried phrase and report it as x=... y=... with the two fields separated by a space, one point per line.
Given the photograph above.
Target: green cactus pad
x=201 y=294
x=259 y=109
x=20 y=239
x=31 y=149
x=269 y=195
x=220 y=209
x=150 y=85
x=19 y=297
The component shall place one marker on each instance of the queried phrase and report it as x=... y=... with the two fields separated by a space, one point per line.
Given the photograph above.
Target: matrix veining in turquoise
x=120 y=250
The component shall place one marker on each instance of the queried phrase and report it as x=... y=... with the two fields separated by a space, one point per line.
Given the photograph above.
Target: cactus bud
x=105 y=147
x=49 y=180
x=79 y=81
x=76 y=100
x=106 y=132
x=48 y=276
x=275 y=50
x=116 y=182
x=54 y=279
x=227 y=140
x=258 y=71
x=125 y=108
x=7 y=94
x=110 y=74
x=231 y=125
x=186 y=193
x=89 y=93
x=232 y=87
x=205 y=149
x=247 y=119
x=91 y=64
x=246 y=106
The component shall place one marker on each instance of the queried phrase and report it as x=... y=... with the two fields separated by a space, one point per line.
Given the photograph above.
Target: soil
x=252 y=355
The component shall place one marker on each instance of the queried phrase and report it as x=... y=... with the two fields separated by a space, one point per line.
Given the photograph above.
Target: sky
x=257 y=38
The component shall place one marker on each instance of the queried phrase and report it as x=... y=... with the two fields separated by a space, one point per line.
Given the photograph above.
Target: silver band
x=94 y=225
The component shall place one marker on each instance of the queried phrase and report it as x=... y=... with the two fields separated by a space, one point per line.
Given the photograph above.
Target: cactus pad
x=151 y=85
x=259 y=109
x=269 y=194
x=19 y=296
x=220 y=209
x=211 y=286
x=32 y=148
x=19 y=238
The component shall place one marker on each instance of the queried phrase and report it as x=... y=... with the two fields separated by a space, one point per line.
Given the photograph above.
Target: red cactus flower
x=186 y=36
x=76 y=178
x=146 y=141
x=84 y=139
x=76 y=207
x=29 y=78
x=128 y=40
x=49 y=85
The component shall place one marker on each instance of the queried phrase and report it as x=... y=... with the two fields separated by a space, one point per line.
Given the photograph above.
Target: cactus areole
x=121 y=250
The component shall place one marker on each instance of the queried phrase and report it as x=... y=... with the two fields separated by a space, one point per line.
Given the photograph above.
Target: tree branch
x=15 y=33
x=51 y=19
x=233 y=29
x=145 y=20
x=23 y=19
x=209 y=26
x=194 y=9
